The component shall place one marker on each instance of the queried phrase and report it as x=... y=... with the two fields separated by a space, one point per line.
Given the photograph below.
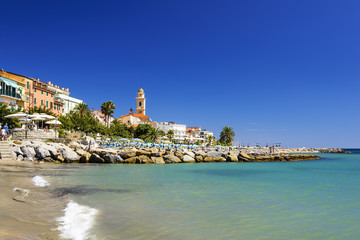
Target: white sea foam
x=77 y=221
x=40 y=181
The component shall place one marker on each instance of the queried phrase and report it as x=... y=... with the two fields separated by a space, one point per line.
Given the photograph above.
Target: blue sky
x=275 y=71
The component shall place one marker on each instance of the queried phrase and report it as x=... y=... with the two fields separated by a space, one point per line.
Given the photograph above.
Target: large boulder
x=188 y=159
x=96 y=159
x=219 y=159
x=20 y=158
x=179 y=155
x=131 y=160
x=191 y=154
x=231 y=157
x=171 y=159
x=128 y=154
x=17 y=150
x=243 y=157
x=142 y=152
x=28 y=151
x=208 y=159
x=214 y=154
x=118 y=159
x=199 y=158
x=158 y=160
x=109 y=158
x=51 y=149
x=144 y=159
x=42 y=153
x=201 y=153
x=69 y=155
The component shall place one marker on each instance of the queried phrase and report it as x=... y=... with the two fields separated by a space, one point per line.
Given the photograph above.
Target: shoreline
x=28 y=211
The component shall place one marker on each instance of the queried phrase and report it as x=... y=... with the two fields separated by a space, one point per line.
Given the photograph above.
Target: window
x=42 y=102
x=51 y=105
x=47 y=94
x=42 y=92
x=34 y=101
x=35 y=90
x=51 y=95
x=28 y=85
x=140 y=104
x=47 y=104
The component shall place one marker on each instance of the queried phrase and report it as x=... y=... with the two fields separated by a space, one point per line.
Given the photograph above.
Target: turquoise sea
x=316 y=199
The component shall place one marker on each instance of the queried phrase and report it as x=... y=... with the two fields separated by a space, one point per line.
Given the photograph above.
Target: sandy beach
x=32 y=216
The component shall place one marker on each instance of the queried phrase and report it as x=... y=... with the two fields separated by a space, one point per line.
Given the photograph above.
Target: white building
x=63 y=95
x=178 y=129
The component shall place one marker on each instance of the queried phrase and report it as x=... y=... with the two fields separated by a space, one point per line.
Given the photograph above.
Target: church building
x=134 y=119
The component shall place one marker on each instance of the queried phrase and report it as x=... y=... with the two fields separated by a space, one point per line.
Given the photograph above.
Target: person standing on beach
x=3 y=133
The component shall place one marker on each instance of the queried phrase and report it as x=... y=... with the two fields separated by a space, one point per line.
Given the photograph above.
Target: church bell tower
x=140 y=102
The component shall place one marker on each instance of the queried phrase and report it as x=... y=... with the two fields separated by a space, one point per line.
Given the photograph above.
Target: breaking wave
x=77 y=221
x=40 y=181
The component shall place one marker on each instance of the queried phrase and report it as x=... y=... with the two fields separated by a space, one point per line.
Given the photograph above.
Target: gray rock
x=17 y=150
x=28 y=151
x=219 y=159
x=96 y=159
x=51 y=149
x=109 y=158
x=171 y=159
x=118 y=159
x=128 y=154
x=200 y=153
x=179 y=155
x=69 y=155
x=42 y=153
x=188 y=159
x=215 y=154
x=20 y=158
x=191 y=154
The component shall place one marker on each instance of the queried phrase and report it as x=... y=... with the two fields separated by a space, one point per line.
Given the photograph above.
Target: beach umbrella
x=17 y=115
x=137 y=140
x=123 y=139
x=25 y=120
x=54 y=122
x=44 y=115
x=36 y=116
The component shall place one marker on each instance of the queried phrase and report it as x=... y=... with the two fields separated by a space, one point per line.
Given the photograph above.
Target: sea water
x=316 y=199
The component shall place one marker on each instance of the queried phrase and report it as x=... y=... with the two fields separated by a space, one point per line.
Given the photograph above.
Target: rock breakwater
x=86 y=151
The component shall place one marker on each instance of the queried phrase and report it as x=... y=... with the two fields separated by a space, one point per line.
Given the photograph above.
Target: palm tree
x=107 y=108
x=227 y=136
x=82 y=109
x=170 y=134
x=154 y=134
x=210 y=140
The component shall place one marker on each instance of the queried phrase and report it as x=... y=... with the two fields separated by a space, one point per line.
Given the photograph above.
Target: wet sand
x=35 y=217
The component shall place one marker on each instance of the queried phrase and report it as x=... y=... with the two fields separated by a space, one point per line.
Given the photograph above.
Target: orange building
x=27 y=92
x=44 y=97
x=12 y=89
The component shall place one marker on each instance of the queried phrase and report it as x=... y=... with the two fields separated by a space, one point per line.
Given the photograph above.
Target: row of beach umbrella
x=25 y=118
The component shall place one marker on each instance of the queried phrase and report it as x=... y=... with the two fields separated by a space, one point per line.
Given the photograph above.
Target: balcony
x=9 y=93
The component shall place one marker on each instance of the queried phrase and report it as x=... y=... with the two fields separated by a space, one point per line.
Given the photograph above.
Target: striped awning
x=9 y=82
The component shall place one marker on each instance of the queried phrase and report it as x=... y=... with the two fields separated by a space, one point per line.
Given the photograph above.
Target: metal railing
x=10 y=93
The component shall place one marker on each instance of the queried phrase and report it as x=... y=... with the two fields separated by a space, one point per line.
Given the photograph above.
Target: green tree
x=5 y=110
x=40 y=109
x=154 y=134
x=170 y=134
x=107 y=108
x=227 y=136
x=119 y=129
x=82 y=109
x=142 y=131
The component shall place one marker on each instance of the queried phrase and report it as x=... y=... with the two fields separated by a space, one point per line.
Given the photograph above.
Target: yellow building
x=13 y=90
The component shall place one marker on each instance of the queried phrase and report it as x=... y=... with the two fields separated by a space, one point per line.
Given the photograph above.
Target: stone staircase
x=5 y=151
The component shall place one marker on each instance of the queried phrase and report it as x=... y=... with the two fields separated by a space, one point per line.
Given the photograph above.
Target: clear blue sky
x=275 y=71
